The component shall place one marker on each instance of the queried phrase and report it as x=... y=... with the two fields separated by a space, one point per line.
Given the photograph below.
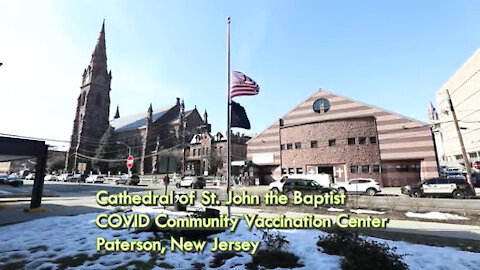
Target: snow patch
x=435 y=215
x=365 y=211
x=333 y=209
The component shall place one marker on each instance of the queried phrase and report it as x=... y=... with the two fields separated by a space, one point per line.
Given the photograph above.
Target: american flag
x=242 y=85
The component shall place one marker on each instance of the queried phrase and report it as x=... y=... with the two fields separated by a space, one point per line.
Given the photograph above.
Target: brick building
x=207 y=153
x=347 y=139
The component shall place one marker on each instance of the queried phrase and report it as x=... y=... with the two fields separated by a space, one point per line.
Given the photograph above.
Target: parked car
x=441 y=186
x=30 y=176
x=277 y=186
x=65 y=177
x=305 y=186
x=323 y=179
x=359 y=186
x=124 y=179
x=14 y=180
x=192 y=182
x=77 y=178
x=50 y=177
x=95 y=179
x=3 y=178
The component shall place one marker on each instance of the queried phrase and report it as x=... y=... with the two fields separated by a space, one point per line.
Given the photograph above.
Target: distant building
x=465 y=93
x=346 y=139
x=207 y=153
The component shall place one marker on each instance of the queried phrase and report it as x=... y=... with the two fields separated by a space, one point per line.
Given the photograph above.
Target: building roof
x=135 y=121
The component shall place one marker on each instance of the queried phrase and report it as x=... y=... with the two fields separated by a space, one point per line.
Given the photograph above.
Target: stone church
x=99 y=143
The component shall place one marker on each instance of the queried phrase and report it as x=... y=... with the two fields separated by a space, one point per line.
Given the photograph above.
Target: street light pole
x=129 y=170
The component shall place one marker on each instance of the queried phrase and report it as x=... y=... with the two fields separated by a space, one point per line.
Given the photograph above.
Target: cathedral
x=155 y=138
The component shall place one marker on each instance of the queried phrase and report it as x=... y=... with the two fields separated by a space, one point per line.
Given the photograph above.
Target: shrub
x=274 y=255
x=274 y=241
x=272 y=259
x=360 y=254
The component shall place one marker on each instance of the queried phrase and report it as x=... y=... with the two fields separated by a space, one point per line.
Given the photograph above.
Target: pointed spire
x=205 y=117
x=117 y=114
x=99 y=55
x=149 y=113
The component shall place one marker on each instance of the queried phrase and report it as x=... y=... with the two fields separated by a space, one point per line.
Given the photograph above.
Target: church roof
x=135 y=121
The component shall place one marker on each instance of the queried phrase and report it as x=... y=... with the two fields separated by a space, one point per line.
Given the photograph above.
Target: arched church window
x=82 y=99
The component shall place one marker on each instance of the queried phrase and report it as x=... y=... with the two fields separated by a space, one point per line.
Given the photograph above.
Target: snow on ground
x=364 y=211
x=435 y=215
x=333 y=209
x=44 y=242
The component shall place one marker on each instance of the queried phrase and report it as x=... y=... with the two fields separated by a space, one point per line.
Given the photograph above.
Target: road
x=390 y=200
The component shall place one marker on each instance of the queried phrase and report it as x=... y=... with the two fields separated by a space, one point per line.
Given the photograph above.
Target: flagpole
x=229 y=112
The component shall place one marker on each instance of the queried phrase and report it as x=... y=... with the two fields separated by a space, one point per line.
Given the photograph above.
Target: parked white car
x=30 y=176
x=50 y=177
x=277 y=186
x=95 y=179
x=359 y=186
x=192 y=182
x=64 y=177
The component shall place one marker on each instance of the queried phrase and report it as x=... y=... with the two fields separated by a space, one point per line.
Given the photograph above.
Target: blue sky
x=393 y=54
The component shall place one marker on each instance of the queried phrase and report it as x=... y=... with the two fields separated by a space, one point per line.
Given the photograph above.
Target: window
x=472 y=155
x=402 y=168
x=284 y=171
x=194 y=152
x=458 y=157
x=299 y=170
x=282 y=146
x=321 y=105
x=365 y=168
x=354 y=169
x=376 y=168
x=291 y=171
x=430 y=181
x=351 y=141
x=332 y=142
x=414 y=167
x=220 y=150
x=314 y=144
x=373 y=140
x=362 y=140
x=289 y=146
x=298 y=145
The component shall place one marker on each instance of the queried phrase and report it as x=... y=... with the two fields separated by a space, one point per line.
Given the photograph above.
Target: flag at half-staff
x=242 y=85
x=239 y=116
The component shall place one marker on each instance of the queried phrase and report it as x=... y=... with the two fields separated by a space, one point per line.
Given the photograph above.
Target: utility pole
x=462 y=146
x=184 y=125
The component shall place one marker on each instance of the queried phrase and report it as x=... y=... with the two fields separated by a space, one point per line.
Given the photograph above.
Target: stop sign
x=129 y=162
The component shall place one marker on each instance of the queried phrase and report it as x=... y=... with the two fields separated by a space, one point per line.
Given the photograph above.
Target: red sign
x=476 y=165
x=129 y=162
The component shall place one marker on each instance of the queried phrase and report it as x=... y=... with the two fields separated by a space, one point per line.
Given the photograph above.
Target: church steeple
x=93 y=106
x=149 y=113
x=97 y=68
x=117 y=114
